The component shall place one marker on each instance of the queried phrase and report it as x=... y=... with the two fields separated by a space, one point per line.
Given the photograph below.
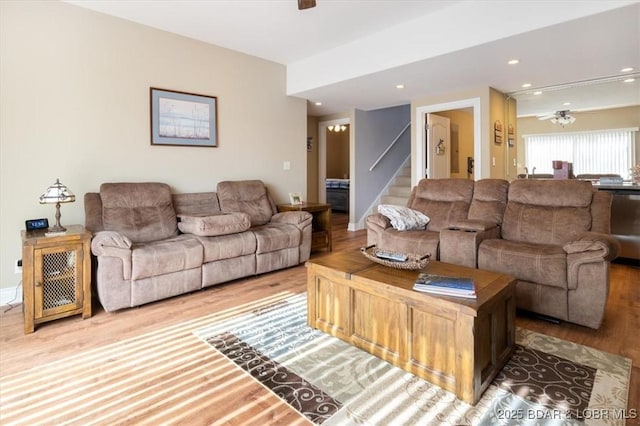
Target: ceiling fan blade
x=306 y=4
x=545 y=117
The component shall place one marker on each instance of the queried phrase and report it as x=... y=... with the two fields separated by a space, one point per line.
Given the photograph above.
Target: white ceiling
x=352 y=53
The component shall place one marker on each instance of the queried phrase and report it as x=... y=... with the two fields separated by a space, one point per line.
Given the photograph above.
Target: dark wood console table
x=321 y=225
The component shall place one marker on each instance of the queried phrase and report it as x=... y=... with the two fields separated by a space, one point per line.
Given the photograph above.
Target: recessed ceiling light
x=318 y=103
x=627 y=69
x=630 y=80
x=526 y=85
x=513 y=61
x=399 y=86
x=566 y=103
x=538 y=92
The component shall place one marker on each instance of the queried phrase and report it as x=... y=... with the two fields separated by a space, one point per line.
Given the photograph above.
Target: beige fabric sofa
x=552 y=235
x=151 y=244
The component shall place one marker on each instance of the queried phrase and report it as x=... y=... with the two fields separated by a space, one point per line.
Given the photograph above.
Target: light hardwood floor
x=143 y=365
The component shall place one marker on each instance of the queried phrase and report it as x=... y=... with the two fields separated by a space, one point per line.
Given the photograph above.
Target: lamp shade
x=57 y=193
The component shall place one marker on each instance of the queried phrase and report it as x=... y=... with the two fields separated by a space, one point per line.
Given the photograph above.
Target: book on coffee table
x=445 y=286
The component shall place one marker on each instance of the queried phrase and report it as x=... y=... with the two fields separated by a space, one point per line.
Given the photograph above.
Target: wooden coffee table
x=458 y=344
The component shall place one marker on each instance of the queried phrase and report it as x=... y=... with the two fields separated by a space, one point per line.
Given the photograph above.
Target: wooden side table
x=321 y=225
x=56 y=275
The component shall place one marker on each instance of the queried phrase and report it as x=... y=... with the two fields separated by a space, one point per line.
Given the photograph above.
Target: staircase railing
x=393 y=142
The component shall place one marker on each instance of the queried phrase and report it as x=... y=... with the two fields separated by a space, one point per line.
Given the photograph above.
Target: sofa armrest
x=459 y=245
x=299 y=218
x=378 y=221
x=473 y=225
x=113 y=244
x=376 y=224
x=588 y=257
x=595 y=245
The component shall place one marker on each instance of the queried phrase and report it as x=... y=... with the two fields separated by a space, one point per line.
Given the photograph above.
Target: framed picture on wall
x=511 y=135
x=497 y=132
x=183 y=119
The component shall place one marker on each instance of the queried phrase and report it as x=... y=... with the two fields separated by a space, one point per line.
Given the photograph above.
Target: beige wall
x=512 y=148
x=75 y=106
x=615 y=118
x=498 y=112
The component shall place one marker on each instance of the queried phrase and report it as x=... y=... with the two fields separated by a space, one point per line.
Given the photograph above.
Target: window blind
x=598 y=152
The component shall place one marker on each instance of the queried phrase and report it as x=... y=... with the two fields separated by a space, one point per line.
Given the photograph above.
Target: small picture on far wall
x=309 y=144
x=511 y=136
x=295 y=198
x=497 y=131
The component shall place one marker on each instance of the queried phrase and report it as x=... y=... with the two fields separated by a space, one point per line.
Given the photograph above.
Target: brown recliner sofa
x=555 y=239
x=551 y=235
x=444 y=201
x=151 y=244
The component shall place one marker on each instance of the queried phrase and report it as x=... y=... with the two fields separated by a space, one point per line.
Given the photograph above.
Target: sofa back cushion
x=247 y=196
x=444 y=201
x=196 y=203
x=142 y=212
x=547 y=211
x=489 y=200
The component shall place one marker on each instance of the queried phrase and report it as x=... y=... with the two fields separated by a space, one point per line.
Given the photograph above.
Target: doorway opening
x=426 y=149
x=323 y=130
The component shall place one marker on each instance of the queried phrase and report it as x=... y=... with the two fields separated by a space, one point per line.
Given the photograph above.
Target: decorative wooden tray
x=414 y=261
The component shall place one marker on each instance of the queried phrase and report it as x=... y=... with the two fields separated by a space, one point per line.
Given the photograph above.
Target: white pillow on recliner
x=403 y=218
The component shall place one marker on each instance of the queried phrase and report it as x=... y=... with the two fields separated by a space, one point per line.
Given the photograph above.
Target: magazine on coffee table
x=445 y=286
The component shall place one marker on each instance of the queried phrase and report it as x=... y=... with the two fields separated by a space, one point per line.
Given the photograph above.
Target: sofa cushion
x=419 y=242
x=537 y=263
x=249 y=196
x=403 y=218
x=196 y=203
x=552 y=193
x=273 y=237
x=547 y=211
x=162 y=257
x=442 y=200
x=489 y=200
x=217 y=224
x=142 y=212
x=540 y=225
x=228 y=246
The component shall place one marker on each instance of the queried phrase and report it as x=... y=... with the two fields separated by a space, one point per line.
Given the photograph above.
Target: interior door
x=438 y=150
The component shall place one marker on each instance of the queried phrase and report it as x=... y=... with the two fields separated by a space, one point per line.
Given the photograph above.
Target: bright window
x=598 y=152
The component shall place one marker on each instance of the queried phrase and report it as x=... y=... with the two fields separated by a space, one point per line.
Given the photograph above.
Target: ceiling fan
x=561 y=117
x=306 y=4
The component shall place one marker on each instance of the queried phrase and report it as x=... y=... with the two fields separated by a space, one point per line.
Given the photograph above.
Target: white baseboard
x=353 y=227
x=11 y=295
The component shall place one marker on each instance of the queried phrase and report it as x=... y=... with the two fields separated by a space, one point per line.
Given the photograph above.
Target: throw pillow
x=403 y=218
x=217 y=224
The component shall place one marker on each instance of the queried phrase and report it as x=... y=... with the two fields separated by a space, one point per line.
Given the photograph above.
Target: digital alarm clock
x=35 y=224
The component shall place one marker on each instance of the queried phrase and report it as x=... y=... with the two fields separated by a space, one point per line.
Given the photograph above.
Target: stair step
x=405 y=171
x=402 y=181
x=400 y=191
x=391 y=199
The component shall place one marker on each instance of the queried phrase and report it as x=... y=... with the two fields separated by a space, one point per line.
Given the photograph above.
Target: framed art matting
x=183 y=119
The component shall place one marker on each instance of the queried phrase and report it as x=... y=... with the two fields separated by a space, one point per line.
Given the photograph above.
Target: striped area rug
x=547 y=381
